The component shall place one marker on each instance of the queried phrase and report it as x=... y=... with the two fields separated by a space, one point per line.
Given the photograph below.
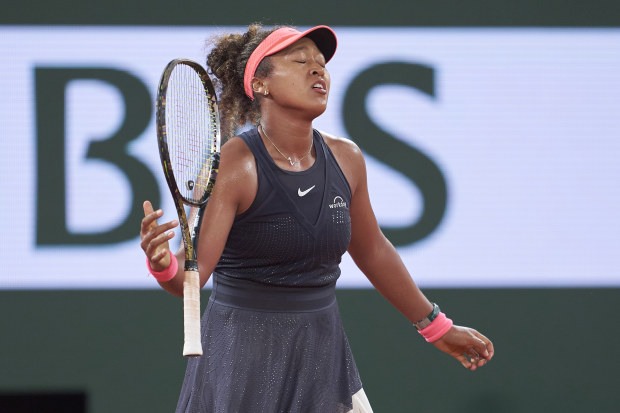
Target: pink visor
x=323 y=36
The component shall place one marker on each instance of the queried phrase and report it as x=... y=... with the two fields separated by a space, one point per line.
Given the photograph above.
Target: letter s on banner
x=411 y=162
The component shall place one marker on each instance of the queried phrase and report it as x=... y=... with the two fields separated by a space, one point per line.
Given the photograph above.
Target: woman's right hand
x=155 y=237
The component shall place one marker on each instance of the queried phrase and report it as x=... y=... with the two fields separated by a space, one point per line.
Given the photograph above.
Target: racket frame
x=191 y=286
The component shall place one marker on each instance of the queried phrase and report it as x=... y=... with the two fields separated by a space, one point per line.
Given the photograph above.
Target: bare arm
x=376 y=256
x=382 y=265
x=234 y=190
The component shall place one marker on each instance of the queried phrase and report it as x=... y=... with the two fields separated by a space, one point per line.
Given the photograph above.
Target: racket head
x=188 y=131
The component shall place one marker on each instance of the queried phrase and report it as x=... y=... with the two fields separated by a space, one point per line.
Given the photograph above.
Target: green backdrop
x=557 y=350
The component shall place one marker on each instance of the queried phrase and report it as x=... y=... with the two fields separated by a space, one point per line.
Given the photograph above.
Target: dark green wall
x=338 y=13
x=557 y=350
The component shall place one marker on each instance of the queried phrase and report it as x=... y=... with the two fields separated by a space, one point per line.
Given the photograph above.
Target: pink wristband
x=435 y=330
x=168 y=273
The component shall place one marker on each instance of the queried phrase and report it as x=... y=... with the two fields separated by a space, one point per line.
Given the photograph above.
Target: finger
x=150 y=215
x=151 y=234
x=160 y=260
x=153 y=246
x=464 y=361
x=160 y=229
x=481 y=349
x=156 y=240
x=473 y=356
x=147 y=207
x=153 y=230
x=474 y=359
x=479 y=345
x=488 y=351
x=150 y=221
x=159 y=255
x=157 y=244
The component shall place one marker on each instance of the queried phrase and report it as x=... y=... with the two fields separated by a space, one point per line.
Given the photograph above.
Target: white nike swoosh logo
x=302 y=193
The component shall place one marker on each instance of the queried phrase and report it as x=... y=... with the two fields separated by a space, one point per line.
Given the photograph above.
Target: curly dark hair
x=227 y=61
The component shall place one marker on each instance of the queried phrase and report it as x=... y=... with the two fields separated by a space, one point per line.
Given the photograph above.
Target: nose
x=318 y=70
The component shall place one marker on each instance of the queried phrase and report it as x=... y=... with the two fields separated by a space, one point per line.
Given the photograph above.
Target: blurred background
x=491 y=133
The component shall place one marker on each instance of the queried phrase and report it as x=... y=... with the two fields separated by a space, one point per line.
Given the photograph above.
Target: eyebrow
x=301 y=47
x=305 y=48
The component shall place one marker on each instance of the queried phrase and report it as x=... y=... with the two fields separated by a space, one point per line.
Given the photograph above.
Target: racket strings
x=191 y=132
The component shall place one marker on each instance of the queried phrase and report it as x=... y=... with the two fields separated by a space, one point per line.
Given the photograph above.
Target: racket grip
x=191 y=314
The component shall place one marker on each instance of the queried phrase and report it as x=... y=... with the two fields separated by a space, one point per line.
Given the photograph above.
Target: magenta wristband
x=435 y=330
x=168 y=273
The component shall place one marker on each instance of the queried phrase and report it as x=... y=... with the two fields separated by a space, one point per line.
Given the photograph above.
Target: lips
x=320 y=86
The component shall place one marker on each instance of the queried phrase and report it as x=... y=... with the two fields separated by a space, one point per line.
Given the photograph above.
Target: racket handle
x=191 y=314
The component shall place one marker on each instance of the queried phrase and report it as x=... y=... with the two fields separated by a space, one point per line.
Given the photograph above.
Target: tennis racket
x=188 y=136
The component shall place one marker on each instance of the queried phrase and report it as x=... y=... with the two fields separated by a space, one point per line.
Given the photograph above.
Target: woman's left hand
x=466 y=345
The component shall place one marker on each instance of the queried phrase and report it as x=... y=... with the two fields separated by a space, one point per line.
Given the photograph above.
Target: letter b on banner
x=51 y=85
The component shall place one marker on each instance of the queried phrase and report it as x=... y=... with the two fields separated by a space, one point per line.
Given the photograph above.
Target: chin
x=318 y=110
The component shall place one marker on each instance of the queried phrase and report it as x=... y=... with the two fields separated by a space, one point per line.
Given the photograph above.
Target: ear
x=259 y=87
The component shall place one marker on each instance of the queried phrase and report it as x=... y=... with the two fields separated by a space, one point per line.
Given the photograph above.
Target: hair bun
x=226 y=61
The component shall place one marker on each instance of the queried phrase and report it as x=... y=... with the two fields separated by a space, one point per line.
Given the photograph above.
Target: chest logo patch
x=304 y=193
x=338 y=203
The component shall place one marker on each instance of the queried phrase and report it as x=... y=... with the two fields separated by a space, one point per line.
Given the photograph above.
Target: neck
x=291 y=136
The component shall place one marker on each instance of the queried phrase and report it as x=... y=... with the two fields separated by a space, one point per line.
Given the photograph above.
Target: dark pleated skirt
x=270 y=349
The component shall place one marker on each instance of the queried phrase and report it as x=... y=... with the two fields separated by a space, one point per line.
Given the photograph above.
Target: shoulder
x=349 y=157
x=236 y=156
x=341 y=145
x=237 y=179
x=345 y=150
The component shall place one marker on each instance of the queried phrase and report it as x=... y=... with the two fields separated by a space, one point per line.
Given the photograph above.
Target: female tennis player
x=288 y=202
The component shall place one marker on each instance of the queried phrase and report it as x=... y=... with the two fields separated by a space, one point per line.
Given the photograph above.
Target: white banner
x=522 y=124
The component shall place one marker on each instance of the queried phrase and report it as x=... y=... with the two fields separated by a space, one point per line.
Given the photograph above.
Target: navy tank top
x=298 y=227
